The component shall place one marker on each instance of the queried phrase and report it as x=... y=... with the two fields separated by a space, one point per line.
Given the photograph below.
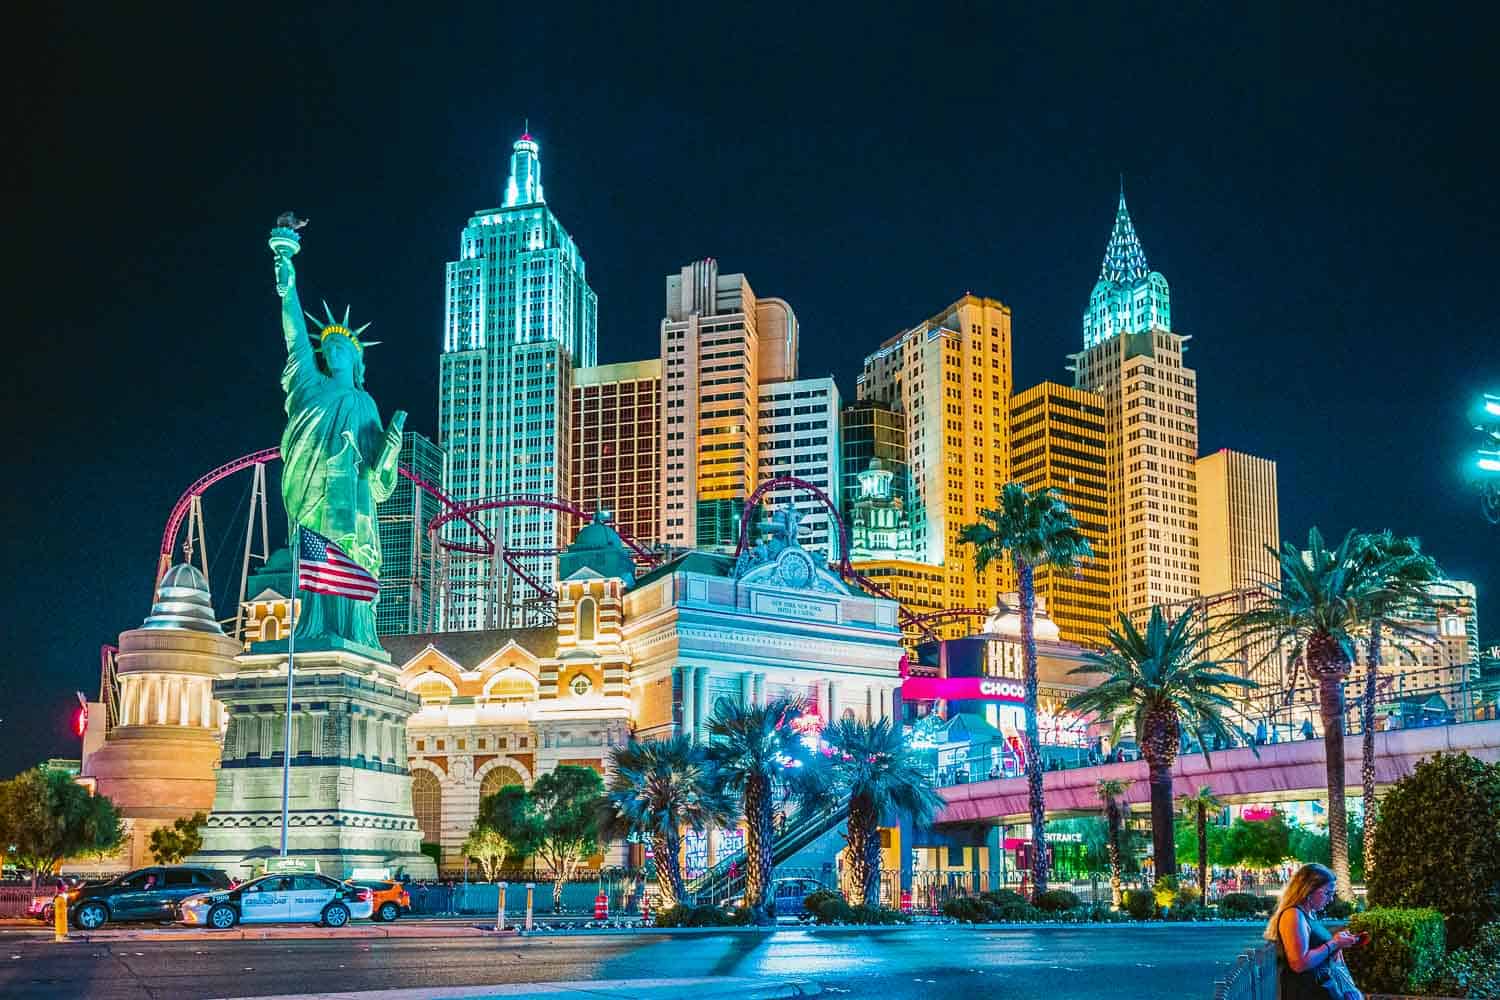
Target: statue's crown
x=331 y=327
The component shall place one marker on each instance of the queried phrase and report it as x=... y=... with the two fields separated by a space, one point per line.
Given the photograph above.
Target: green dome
x=598 y=547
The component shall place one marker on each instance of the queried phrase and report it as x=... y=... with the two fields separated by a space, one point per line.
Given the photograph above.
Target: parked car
x=390 y=897
x=143 y=894
x=270 y=899
x=789 y=894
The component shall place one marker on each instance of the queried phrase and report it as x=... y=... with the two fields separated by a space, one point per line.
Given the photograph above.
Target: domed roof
x=875 y=464
x=598 y=547
x=183 y=601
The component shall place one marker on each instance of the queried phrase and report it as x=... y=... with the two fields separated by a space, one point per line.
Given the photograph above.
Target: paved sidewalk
x=701 y=988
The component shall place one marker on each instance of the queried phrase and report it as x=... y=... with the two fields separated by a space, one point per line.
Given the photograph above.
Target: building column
x=689 y=717
x=747 y=689
x=832 y=715
x=885 y=703
x=760 y=689
x=700 y=694
x=872 y=704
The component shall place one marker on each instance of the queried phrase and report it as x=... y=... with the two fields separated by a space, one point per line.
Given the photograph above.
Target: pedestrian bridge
x=1280 y=771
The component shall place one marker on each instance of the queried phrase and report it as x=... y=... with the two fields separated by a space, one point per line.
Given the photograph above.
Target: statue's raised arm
x=285 y=242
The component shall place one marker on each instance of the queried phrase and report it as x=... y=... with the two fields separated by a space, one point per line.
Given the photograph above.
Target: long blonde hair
x=1308 y=880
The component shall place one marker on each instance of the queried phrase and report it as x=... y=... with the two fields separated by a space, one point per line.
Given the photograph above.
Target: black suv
x=144 y=894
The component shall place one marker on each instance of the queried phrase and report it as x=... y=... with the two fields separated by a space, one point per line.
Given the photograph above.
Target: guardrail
x=1251 y=976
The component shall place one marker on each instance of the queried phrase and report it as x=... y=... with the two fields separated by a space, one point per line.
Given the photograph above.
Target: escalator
x=726 y=879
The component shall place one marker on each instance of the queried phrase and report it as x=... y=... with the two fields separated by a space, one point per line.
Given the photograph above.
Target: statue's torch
x=284 y=243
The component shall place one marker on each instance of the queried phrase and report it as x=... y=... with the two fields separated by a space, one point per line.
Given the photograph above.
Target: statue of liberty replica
x=337 y=460
x=340 y=800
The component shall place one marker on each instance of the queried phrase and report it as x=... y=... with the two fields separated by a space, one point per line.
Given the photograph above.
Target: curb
x=289 y=934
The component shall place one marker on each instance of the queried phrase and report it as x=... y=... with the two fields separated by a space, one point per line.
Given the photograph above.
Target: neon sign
x=962 y=689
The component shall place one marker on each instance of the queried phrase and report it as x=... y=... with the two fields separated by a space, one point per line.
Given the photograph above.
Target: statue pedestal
x=350 y=803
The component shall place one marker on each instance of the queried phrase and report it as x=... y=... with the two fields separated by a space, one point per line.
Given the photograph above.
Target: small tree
x=1198 y=807
x=170 y=844
x=1438 y=844
x=562 y=821
x=46 y=816
x=503 y=832
x=1260 y=843
x=1110 y=790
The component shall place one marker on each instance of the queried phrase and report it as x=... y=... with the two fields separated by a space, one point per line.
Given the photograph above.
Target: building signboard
x=803 y=608
x=962 y=689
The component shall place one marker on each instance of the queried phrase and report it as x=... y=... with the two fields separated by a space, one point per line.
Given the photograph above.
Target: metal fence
x=1252 y=976
x=16 y=900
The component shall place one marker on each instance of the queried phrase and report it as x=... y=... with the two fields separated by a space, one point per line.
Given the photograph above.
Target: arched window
x=270 y=629
x=497 y=779
x=432 y=688
x=588 y=614
x=512 y=686
x=427 y=805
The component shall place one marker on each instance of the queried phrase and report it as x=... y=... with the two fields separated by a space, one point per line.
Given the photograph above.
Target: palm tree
x=1161 y=682
x=873 y=762
x=1110 y=790
x=1324 y=600
x=755 y=748
x=1408 y=576
x=1198 y=806
x=1037 y=530
x=659 y=788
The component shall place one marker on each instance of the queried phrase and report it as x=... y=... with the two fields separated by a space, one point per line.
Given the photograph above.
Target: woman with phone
x=1309 y=958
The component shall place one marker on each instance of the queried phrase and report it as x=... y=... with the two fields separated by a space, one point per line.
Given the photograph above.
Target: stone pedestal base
x=350 y=802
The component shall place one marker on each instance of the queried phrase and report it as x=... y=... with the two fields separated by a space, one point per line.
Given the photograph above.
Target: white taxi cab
x=278 y=899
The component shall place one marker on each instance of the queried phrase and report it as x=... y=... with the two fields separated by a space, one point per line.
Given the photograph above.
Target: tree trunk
x=759 y=843
x=1329 y=666
x=664 y=848
x=862 y=858
x=1203 y=851
x=557 y=884
x=1035 y=793
x=1115 y=821
x=1159 y=746
x=1367 y=745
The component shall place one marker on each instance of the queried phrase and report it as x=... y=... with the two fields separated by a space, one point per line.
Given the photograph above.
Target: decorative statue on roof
x=338 y=461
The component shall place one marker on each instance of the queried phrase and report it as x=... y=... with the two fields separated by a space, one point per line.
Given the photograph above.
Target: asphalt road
x=1144 y=963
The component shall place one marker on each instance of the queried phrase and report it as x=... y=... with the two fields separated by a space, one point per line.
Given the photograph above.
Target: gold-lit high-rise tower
x=1237 y=522
x=1133 y=360
x=950 y=375
x=1059 y=440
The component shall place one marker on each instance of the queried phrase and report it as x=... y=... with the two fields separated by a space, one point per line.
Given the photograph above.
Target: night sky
x=1319 y=194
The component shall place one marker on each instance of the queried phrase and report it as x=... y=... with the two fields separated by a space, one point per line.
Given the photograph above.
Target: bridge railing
x=1397 y=707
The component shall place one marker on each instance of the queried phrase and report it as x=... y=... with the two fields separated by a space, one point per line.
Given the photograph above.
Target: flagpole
x=291 y=653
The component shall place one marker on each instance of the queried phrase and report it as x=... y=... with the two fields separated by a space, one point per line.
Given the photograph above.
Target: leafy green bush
x=1103 y=913
x=1140 y=904
x=1435 y=845
x=828 y=907
x=1472 y=972
x=683 y=915
x=1189 y=911
x=1055 y=900
x=1019 y=913
x=1265 y=905
x=1404 y=951
x=877 y=915
x=1004 y=897
x=1238 y=904
x=971 y=910
x=1187 y=896
x=1339 y=909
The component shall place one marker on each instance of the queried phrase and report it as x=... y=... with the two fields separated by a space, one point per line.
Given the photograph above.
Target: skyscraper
x=1058 y=440
x=1237 y=520
x=719 y=344
x=799 y=438
x=870 y=429
x=617 y=445
x=520 y=316
x=950 y=376
x=407 y=605
x=1133 y=360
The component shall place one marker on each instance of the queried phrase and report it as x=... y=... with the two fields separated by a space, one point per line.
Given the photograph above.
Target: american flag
x=325 y=569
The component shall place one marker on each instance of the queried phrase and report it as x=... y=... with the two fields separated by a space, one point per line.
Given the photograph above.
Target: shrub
x=1018 y=913
x=1189 y=911
x=1187 y=897
x=1165 y=890
x=1102 y=913
x=683 y=915
x=1003 y=897
x=1339 y=909
x=1472 y=972
x=1435 y=845
x=1404 y=951
x=829 y=907
x=1055 y=900
x=970 y=910
x=818 y=898
x=1140 y=904
x=1238 y=904
x=877 y=915
x=1265 y=905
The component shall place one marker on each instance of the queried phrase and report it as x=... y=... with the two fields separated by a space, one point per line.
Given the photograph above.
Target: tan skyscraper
x=719 y=345
x=616 y=445
x=1059 y=439
x=951 y=377
x=1133 y=360
x=1237 y=519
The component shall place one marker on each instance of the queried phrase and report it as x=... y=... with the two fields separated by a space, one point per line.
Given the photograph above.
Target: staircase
x=717 y=884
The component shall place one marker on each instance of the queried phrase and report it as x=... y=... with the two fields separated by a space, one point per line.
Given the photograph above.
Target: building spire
x=1124 y=257
x=524 y=187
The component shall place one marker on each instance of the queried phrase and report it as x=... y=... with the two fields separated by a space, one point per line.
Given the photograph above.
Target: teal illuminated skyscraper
x=520 y=317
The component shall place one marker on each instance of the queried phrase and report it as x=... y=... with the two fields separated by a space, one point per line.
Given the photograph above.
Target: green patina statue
x=337 y=460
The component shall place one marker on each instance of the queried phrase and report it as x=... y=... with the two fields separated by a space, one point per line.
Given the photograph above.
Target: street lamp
x=1487 y=456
